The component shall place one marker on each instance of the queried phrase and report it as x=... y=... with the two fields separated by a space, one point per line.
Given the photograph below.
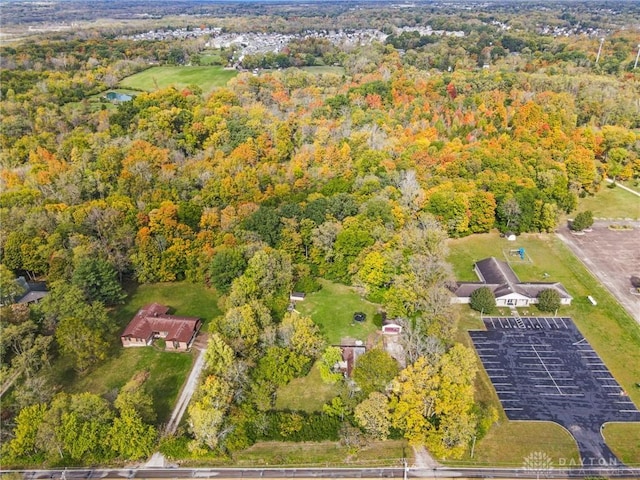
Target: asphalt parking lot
x=542 y=368
x=613 y=256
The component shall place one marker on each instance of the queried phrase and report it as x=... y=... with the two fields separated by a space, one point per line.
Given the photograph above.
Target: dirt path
x=423 y=459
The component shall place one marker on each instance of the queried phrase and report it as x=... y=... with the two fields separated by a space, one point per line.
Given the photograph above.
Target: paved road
x=324 y=473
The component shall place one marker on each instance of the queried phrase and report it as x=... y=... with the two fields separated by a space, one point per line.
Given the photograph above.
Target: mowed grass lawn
x=332 y=309
x=308 y=393
x=154 y=78
x=607 y=326
x=509 y=443
x=612 y=203
x=624 y=439
x=167 y=370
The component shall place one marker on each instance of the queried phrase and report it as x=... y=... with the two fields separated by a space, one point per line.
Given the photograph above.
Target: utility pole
x=637 y=57
x=599 y=50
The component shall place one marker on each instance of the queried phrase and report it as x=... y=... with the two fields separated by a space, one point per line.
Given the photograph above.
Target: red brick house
x=152 y=321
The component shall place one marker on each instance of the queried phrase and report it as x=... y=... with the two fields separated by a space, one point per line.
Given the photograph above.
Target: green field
x=167 y=370
x=609 y=329
x=325 y=70
x=612 y=203
x=509 y=443
x=154 y=78
x=332 y=308
x=308 y=393
x=624 y=439
x=385 y=453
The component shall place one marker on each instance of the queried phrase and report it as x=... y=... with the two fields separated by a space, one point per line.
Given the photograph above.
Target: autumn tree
x=432 y=403
x=207 y=412
x=372 y=414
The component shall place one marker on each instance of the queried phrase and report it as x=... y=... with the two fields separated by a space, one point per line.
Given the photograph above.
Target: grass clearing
x=154 y=78
x=168 y=370
x=332 y=309
x=327 y=454
x=612 y=203
x=607 y=326
x=308 y=393
x=325 y=70
x=624 y=440
x=508 y=444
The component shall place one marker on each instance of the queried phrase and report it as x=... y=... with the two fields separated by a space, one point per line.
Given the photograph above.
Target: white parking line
x=562 y=394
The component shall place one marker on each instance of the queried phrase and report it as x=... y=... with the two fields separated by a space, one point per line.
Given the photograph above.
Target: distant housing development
x=506 y=286
x=152 y=322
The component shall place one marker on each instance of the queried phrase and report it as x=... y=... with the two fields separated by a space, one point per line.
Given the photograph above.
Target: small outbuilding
x=390 y=327
x=296 y=296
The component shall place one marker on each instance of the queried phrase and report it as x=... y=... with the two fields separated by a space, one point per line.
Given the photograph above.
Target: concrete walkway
x=630 y=190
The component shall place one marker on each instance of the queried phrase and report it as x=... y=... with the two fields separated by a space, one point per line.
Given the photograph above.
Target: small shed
x=296 y=296
x=390 y=327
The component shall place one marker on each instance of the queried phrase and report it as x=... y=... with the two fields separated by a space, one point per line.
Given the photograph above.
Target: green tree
x=483 y=300
x=300 y=334
x=582 y=221
x=226 y=266
x=129 y=437
x=28 y=422
x=374 y=371
x=280 y=365
x=330 y=357
x=98 y=279
x=84 y=334
x=76 y=427
x=219 y=357
x=548 y=300
x=373 y=415
x=134 y=396
x=9 y=287
x=207 y=412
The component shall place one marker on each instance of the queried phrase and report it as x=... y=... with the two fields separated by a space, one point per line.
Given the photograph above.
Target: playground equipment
x=517 y=252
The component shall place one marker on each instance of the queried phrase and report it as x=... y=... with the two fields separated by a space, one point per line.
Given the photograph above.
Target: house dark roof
x=153 y=319
x=492 y=270
x=502 y=280
x=33 y=291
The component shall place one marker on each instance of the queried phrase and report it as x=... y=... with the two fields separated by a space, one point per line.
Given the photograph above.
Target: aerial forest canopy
x=355 y=175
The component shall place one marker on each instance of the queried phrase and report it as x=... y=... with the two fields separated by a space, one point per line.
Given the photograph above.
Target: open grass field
x=612 y=203
x=626 y=439
x=331 y=70
x=609 y=329
x=168 y=370
x=207 y=78
x=509 y=443
x=332 y=309
x=329 y=454
x=307 y=393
